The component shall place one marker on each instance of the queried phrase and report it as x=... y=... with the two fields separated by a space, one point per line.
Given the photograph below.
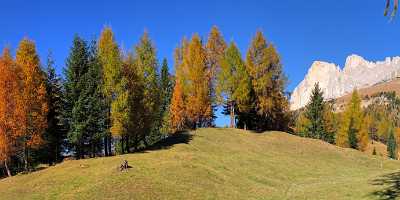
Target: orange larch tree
x=198 y=104
x=10 y=107
x=34 y=98
x=177 y=116
x=215 y=49
x=177 y=108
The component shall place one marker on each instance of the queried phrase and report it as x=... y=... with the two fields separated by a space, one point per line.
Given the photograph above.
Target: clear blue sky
x=303 y=31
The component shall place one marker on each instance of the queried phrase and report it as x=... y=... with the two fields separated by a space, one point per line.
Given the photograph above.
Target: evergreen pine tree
x=391 y=145
x=166 y=83
x=166 y=86
x=314 y=113
x=86 y=109
x=55 y=133
x=76 y=67
x=95 y=104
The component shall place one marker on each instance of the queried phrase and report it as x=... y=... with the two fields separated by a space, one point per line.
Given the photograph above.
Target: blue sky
x=303 y=31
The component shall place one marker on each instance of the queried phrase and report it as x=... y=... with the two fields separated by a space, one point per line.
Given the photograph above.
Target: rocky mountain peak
x=334 y=82
x=354 y=61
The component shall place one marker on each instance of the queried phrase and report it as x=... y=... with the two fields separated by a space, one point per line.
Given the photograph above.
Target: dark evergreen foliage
x=314 y=112
x=55 y=135
x=391 y=145
x=85 y=111
x=167 y=85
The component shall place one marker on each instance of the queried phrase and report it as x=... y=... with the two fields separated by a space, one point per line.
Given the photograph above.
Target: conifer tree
x=10 y=109
x=166 y=86
x=302 y=124
x=233 y=83
x=146 y=63
x=351 y=123
x=397 y=137
x=95 y=104
x=77 y=66
x=330 y=123
x=177 y=109
x=120 y=109
x=110 y=60
x=86 y=109
x=315 y=114
x=198 y=102
x=137 y=107
x=371 y=125
x=166 y=83
x=55 y=134
x=391 y=145
x=352 y=134
x=384 y=125
x=215 y=50
x=268 y=81
x=34 y=98
x=363 y=136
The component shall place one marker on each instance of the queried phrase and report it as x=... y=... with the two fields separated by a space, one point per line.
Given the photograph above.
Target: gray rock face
x=334 y=82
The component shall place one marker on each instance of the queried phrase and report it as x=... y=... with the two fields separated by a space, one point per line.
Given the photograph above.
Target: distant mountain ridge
x=335 y=82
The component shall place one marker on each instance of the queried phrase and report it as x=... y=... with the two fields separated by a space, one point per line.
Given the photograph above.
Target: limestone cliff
x=334 y=82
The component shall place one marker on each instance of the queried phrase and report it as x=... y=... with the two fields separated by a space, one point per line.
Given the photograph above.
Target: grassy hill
x=218 y=164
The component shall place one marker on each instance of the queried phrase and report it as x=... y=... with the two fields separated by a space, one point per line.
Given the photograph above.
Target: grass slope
x=218 y=164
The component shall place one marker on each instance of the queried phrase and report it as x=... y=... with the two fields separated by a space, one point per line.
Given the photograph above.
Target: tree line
x=251 y=91
x=355 y=127
x=109 y=101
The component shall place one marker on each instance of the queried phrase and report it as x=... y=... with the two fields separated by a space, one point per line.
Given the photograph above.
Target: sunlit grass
x=215 y=164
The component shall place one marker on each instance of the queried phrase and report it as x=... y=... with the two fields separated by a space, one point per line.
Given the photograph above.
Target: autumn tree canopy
x=33 y=94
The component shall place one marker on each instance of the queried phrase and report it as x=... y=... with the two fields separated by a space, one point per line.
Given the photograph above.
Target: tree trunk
x=109 y=144
x=93 y=151
x=6 y=166
x=25 y=158
x=232 y=115
x=56 y=156
x=105 y=146
x=124 y=144
x=127 y=145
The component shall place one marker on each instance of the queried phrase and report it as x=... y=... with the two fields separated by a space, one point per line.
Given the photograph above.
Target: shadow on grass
x=390 y=186
x=183 y=137
x=39 y=168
